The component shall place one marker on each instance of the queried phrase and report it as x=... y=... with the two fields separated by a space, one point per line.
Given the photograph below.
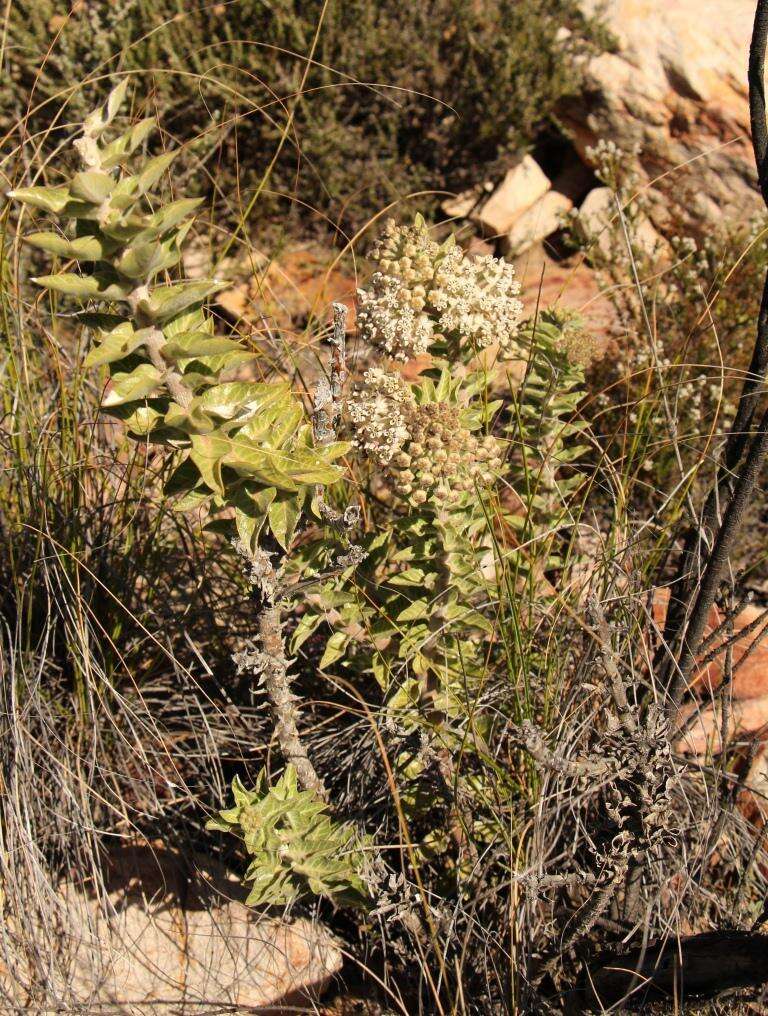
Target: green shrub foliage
x=398 y=98
x=467 y=496
x=471 y=496
x=242 y=446
x=294 y=846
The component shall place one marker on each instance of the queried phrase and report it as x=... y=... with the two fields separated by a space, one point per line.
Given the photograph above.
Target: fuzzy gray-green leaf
x=136 y=384
x=48 y=199
x=82 y=248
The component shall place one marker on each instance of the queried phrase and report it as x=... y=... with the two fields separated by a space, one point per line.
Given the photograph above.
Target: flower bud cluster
x=442 y=459
x=577 y=345
x=424 y=448
x=425 y=292
x=378 y=412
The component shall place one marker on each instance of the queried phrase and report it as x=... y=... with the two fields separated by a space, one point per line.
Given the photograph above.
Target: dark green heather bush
x=399 y=97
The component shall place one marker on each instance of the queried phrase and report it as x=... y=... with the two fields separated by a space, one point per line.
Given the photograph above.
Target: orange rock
x=746 y=716
x=753 y=802
x=290 y=290
x=750 y=680
x=747 y=696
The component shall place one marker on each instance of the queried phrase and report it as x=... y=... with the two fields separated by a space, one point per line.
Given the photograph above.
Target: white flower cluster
x=613 y=165
x=390 y=318
x=424 y=448
x=377 y=410
x=478 y=300
x=425 y=292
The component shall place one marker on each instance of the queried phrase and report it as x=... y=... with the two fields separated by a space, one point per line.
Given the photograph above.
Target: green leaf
x=287 y=423
x=49 y=199
x=194 y=320
x=125 y=194
x=83 y=248
x=168 y=301
x=99 y=286
x=166 y=218
x=115 y=100
x=257 y=463
x=104 y=115
x=100 y=321
x=335 y=648
x=262 y=498
x=136 y=384
x=185 y=477
x=416 y=611
x=208 y=451
x=240 y=397
x=143 y=260
x=81 y=210
x=248 y=527
x=192 y=500
x=131 y=188
x=141 y=421
x=443 y=389
x=409 y=577
x=92 y=186
x=190 y=420
x=308 y=466
x=250 y=512
x=118 y=150
x=283 y=515
x=116 y=345
x=281 y=469
x=208 y=368
x=469 y=618
x=335 y=449
x=308 y=625
x=188 y=345
x=154 y=169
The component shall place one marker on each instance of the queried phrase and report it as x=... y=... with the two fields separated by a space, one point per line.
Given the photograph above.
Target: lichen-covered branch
x=267 y=659
x=277 y=684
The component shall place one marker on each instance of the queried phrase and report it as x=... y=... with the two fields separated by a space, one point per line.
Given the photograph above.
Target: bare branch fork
x=630 y=766
x=707 y=553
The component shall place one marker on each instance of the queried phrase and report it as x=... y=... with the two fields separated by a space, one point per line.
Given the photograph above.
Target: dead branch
x=707 y=553
x=701 y=966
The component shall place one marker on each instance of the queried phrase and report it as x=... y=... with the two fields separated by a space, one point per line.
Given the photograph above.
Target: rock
x=543 y=218
x=522 y=186
x=596 y=215
x=677 y=88
x=745 y=717
x=750 y=680
x=754 y=799
x=570 y=285
x=462 y=205
x=598 y=222
x=160 y=941
x=748 y=691
x=288 y=291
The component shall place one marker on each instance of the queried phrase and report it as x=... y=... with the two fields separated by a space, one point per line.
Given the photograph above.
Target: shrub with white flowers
x=442 y=457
